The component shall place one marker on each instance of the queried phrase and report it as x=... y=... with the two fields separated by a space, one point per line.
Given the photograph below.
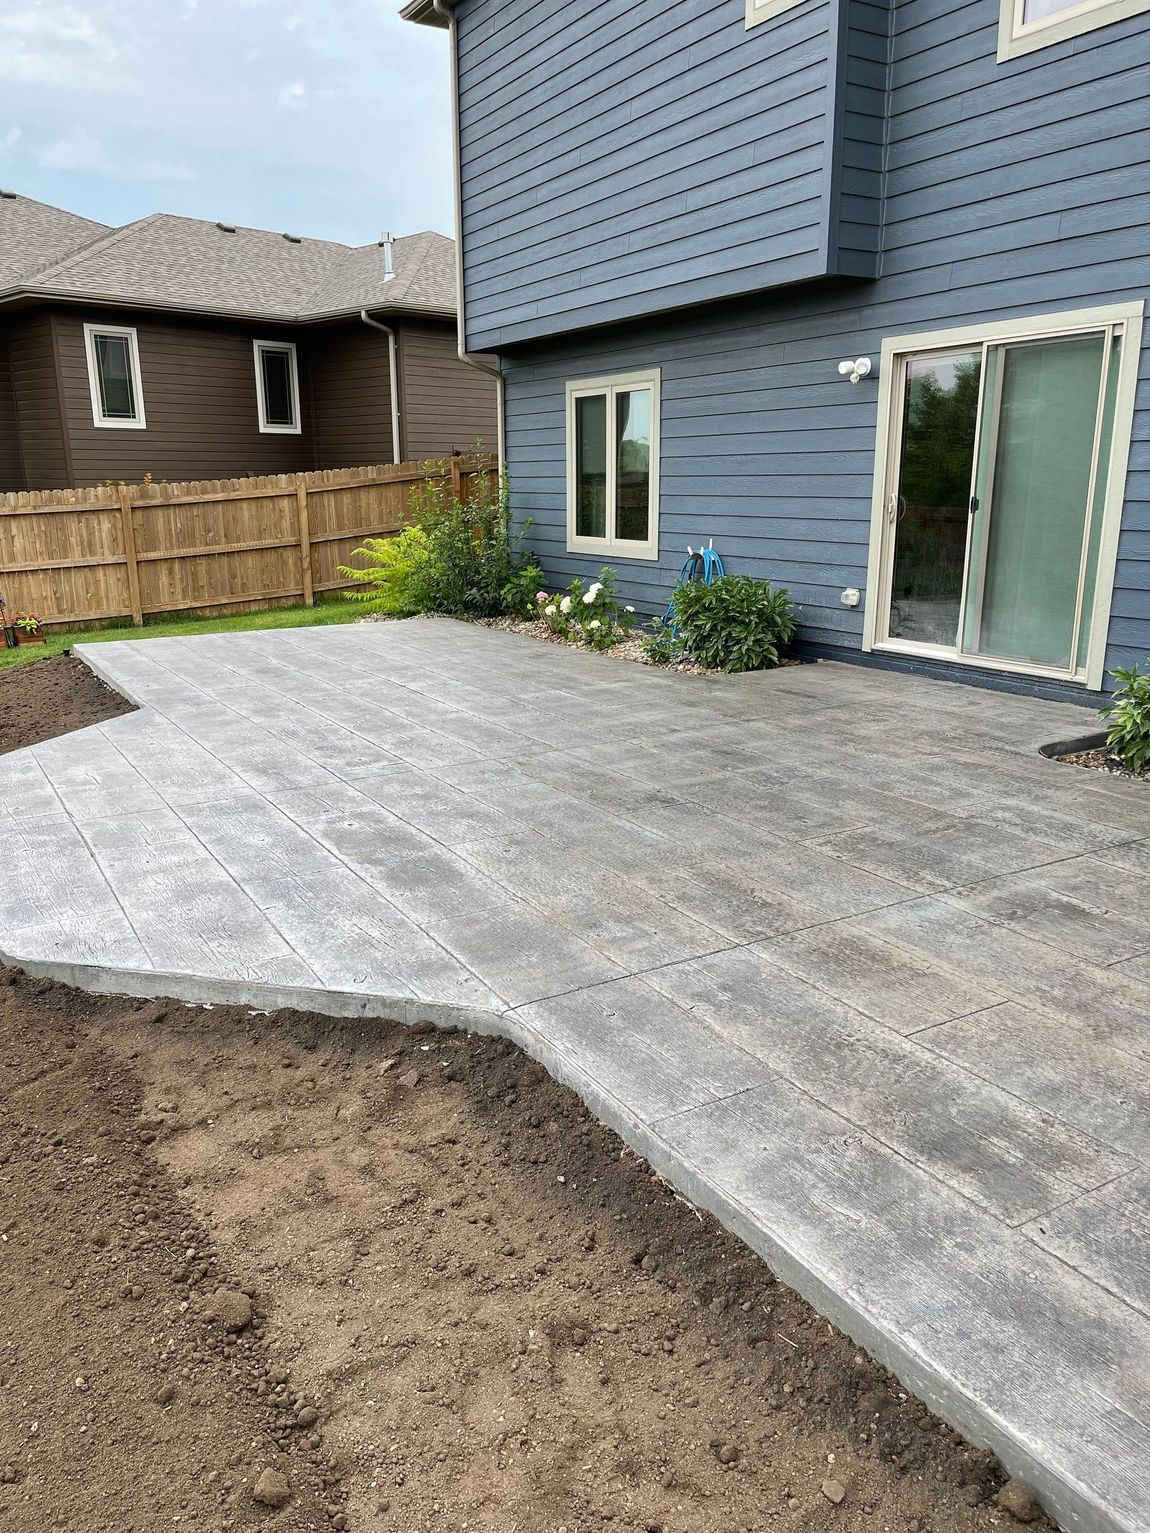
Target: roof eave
x=118 y=301
x=424 y=13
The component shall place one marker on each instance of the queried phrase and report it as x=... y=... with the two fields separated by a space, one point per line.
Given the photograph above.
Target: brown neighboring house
x=192 y=350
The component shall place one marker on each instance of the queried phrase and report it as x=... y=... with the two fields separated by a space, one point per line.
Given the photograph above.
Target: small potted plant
x=28 y=628
x=10 y=637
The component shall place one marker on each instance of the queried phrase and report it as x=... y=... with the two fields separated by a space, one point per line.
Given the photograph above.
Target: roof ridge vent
x=226 y=228
x=294 y=239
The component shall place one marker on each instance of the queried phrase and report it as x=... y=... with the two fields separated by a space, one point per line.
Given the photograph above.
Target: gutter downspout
x=393 y=370
x=464 y=355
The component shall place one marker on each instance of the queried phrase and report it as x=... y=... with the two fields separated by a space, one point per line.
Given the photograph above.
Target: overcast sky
x=319 y=117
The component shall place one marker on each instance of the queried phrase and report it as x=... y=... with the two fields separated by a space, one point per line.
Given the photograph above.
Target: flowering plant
x=27 y=622
x=588 y=614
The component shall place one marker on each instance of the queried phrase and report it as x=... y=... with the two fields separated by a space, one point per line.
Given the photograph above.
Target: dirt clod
x=833 y=1490
x=229 y=1309
x=1017 y=1498
x=272 y=1489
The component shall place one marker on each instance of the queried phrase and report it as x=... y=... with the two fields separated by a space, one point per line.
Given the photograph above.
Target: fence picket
x=83 y=555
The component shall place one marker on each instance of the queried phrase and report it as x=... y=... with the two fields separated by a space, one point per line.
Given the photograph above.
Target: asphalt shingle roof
x=171 y=261
x=34 y=234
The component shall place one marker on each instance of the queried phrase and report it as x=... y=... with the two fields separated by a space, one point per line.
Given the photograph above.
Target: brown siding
x=447 y=405
x=199 y=400
x=351 y=396
x=37 y=399
x=11 y=462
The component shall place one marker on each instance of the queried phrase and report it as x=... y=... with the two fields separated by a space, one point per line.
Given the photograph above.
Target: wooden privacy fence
x=78 y=556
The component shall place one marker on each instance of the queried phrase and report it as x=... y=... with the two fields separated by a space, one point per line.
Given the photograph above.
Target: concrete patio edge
x=1069 y=1502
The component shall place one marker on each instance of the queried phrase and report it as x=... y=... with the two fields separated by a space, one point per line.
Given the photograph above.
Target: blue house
x=854 y=288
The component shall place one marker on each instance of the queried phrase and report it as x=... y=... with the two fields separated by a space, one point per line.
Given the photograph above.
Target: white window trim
x=763 y=10
x=1017 y=37
x=614 y=547
x=268 y=429
x=1126 y=315
x=139 y=420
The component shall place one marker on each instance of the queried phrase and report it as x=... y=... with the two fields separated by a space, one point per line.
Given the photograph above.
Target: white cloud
x=54 y=45
x=296 y=96
x=9 y=140
x=292 y=96
x=81 y=150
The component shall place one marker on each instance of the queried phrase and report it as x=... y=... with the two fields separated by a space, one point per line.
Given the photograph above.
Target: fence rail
x=81 y=556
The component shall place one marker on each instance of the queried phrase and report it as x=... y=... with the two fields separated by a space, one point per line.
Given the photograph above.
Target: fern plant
x=1128 y=735
x=393 y=577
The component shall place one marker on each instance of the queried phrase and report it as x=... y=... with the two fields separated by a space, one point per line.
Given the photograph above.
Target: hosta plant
x=1128 y=712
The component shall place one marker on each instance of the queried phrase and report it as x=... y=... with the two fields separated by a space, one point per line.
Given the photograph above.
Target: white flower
x=595 y=588
x=551 y=610
x=594 y=623
x=628 y=609
x=565 y=605
x=588 y=597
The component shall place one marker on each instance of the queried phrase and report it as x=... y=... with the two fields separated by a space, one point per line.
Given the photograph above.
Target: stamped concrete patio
x=837 y=950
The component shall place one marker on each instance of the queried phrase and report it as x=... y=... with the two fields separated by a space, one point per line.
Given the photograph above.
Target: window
x=998 y=494
x=613 y=466
x=763 y=10
x=1028 y=24
x=277 y=386
x=114 y=376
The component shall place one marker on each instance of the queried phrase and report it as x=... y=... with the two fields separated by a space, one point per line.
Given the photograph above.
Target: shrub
x=456 y=557
x=1128 y=735
x=393 y=579
x=736 y=624
x=522 y=592
x=470 y=558
x=661 y=644
x=589 y=615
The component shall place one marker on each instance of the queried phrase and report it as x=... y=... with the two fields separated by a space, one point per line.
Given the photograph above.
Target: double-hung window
x=1029 y=24
x=114 y=376
x=613 y=466
x=277 y=386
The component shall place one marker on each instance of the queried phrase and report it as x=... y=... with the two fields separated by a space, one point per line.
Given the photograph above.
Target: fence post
x=129 y=536
x=457 y=478
x=304 y=542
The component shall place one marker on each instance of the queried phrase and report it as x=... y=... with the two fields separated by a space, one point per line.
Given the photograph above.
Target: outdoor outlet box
x=850 y=597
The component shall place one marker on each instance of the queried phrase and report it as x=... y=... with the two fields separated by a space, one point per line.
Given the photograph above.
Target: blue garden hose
x=703 y=564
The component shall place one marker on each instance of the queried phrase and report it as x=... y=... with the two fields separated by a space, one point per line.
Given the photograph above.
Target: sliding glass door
x=998 y=481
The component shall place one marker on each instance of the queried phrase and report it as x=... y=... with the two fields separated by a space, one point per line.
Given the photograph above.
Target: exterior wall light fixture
x=859 y=368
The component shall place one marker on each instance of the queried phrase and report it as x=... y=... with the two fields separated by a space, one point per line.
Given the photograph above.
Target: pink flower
x=541 y=597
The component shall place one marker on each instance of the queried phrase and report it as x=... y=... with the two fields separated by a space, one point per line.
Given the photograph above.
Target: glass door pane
x=932 y=503
x=1033 y=486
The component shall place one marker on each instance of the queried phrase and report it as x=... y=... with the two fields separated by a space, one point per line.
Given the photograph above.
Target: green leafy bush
x=661 y=644
x=393 y=578
x=735 y=624
x=470 y=554
x=1128 y=736
x=458 y=555
x=522 y=592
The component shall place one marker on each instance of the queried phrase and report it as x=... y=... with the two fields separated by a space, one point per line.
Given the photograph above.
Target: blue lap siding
x=976 y=190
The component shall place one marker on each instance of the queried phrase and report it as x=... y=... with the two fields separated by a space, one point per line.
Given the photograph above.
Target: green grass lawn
x=332 y=610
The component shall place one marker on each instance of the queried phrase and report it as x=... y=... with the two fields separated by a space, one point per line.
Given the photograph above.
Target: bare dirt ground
x=471 y=1307
x=40 y=699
